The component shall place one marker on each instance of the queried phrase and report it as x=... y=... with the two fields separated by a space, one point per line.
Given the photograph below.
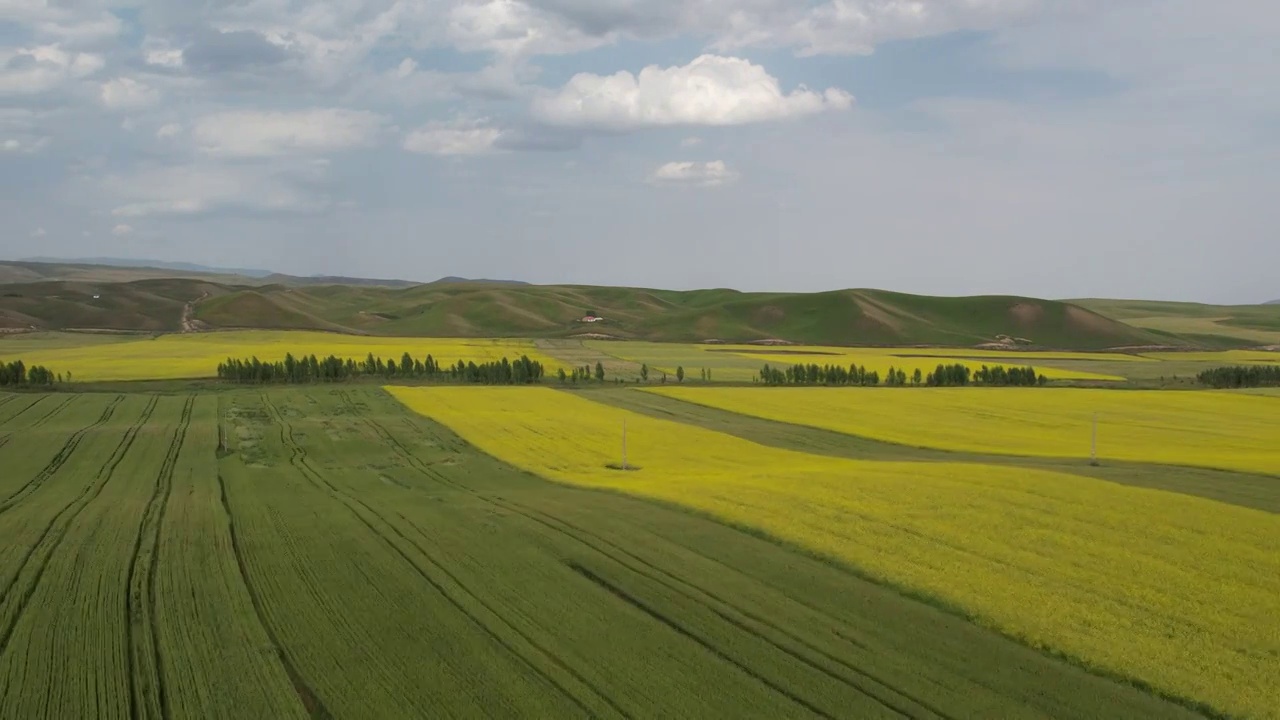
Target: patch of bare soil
x=596 y=336
x=769 y=313
x=1081 y=318
x=189 y=322
x=1147 y=348
x=1027 y=313
x=770 y=341
x=878 y=314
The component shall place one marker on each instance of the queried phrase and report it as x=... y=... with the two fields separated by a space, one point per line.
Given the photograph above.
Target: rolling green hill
x=456 y=308
x=1207 y=325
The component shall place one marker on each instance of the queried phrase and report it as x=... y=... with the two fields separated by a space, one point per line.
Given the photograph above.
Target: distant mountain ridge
x=112 y=269
x=148 y=263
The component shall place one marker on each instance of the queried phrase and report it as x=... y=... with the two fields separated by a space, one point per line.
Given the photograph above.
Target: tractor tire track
x=57 y=532
x=714 y=604
x=690 y=635
x=527 y=638
x=892 y=704
x=60 y=459
x=310 y=701
x=23 y=411
x=56 y=409
x=298 y=458
x=147 y=699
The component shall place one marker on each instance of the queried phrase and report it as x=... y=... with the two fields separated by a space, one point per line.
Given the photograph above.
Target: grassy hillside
x=1209 y=325
x=480 y=309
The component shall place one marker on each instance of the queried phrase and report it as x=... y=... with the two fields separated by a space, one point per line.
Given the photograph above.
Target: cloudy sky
x=1058 y=148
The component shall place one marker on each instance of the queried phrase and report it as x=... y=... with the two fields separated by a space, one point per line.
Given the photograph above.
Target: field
x=742 y=363
x=325 y=553
x=173 y=357
x=1191 y=585
x=1230 y=431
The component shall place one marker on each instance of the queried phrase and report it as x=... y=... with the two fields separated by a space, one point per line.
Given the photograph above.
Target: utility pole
x=1093 y=445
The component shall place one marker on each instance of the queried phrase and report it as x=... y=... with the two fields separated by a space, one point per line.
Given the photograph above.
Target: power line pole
x=1093 y=445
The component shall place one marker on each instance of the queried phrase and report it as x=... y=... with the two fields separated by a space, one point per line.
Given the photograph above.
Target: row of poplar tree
x=310 y=369
x=1241 y=376
x=17 y=373
x=954 y=375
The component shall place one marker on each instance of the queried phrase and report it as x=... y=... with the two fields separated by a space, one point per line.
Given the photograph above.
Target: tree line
x=18 y=373
x=1241 y=376
x=311 y=369
x=953 y=375
x=582 y=374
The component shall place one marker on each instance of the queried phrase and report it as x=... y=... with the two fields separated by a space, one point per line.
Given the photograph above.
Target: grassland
x=323 y=553
x=1228 y=431
x=197 y=355
x=1192 y=586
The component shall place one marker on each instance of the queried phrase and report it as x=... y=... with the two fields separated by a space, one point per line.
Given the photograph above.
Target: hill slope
x=478 y=309
x=1209 y=325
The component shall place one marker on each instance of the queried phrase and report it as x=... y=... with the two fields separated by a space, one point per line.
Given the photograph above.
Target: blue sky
x=1058 y=149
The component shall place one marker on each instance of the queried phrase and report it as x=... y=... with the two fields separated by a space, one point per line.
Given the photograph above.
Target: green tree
x=599 y=371
x=644 y=372
x=680 y=373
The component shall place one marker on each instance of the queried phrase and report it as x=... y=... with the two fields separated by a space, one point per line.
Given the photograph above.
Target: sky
x=1052 y=148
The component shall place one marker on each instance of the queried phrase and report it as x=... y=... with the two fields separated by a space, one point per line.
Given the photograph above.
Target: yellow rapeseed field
x=908 y=364
x=1019 y=357
x=197 y=355
x=1225 y=430
x=1176 y=591
x=741 y=363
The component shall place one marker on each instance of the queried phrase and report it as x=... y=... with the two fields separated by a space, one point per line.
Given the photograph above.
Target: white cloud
x=25 y=145
x=202 y=187
x=858 y=26
x=690 y=142
x=121 y=230
x=39 y=69
x=165 y=57
x=704 y=174
x=251 y=133
x=711 y=90
x=513 y=27
x=125 y=93
x=168 y=130
x=38 y=232
x=453 y=139
x=406 y=68
x=71 y=24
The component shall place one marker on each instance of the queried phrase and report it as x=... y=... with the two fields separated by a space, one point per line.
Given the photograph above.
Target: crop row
x=1059 y=561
